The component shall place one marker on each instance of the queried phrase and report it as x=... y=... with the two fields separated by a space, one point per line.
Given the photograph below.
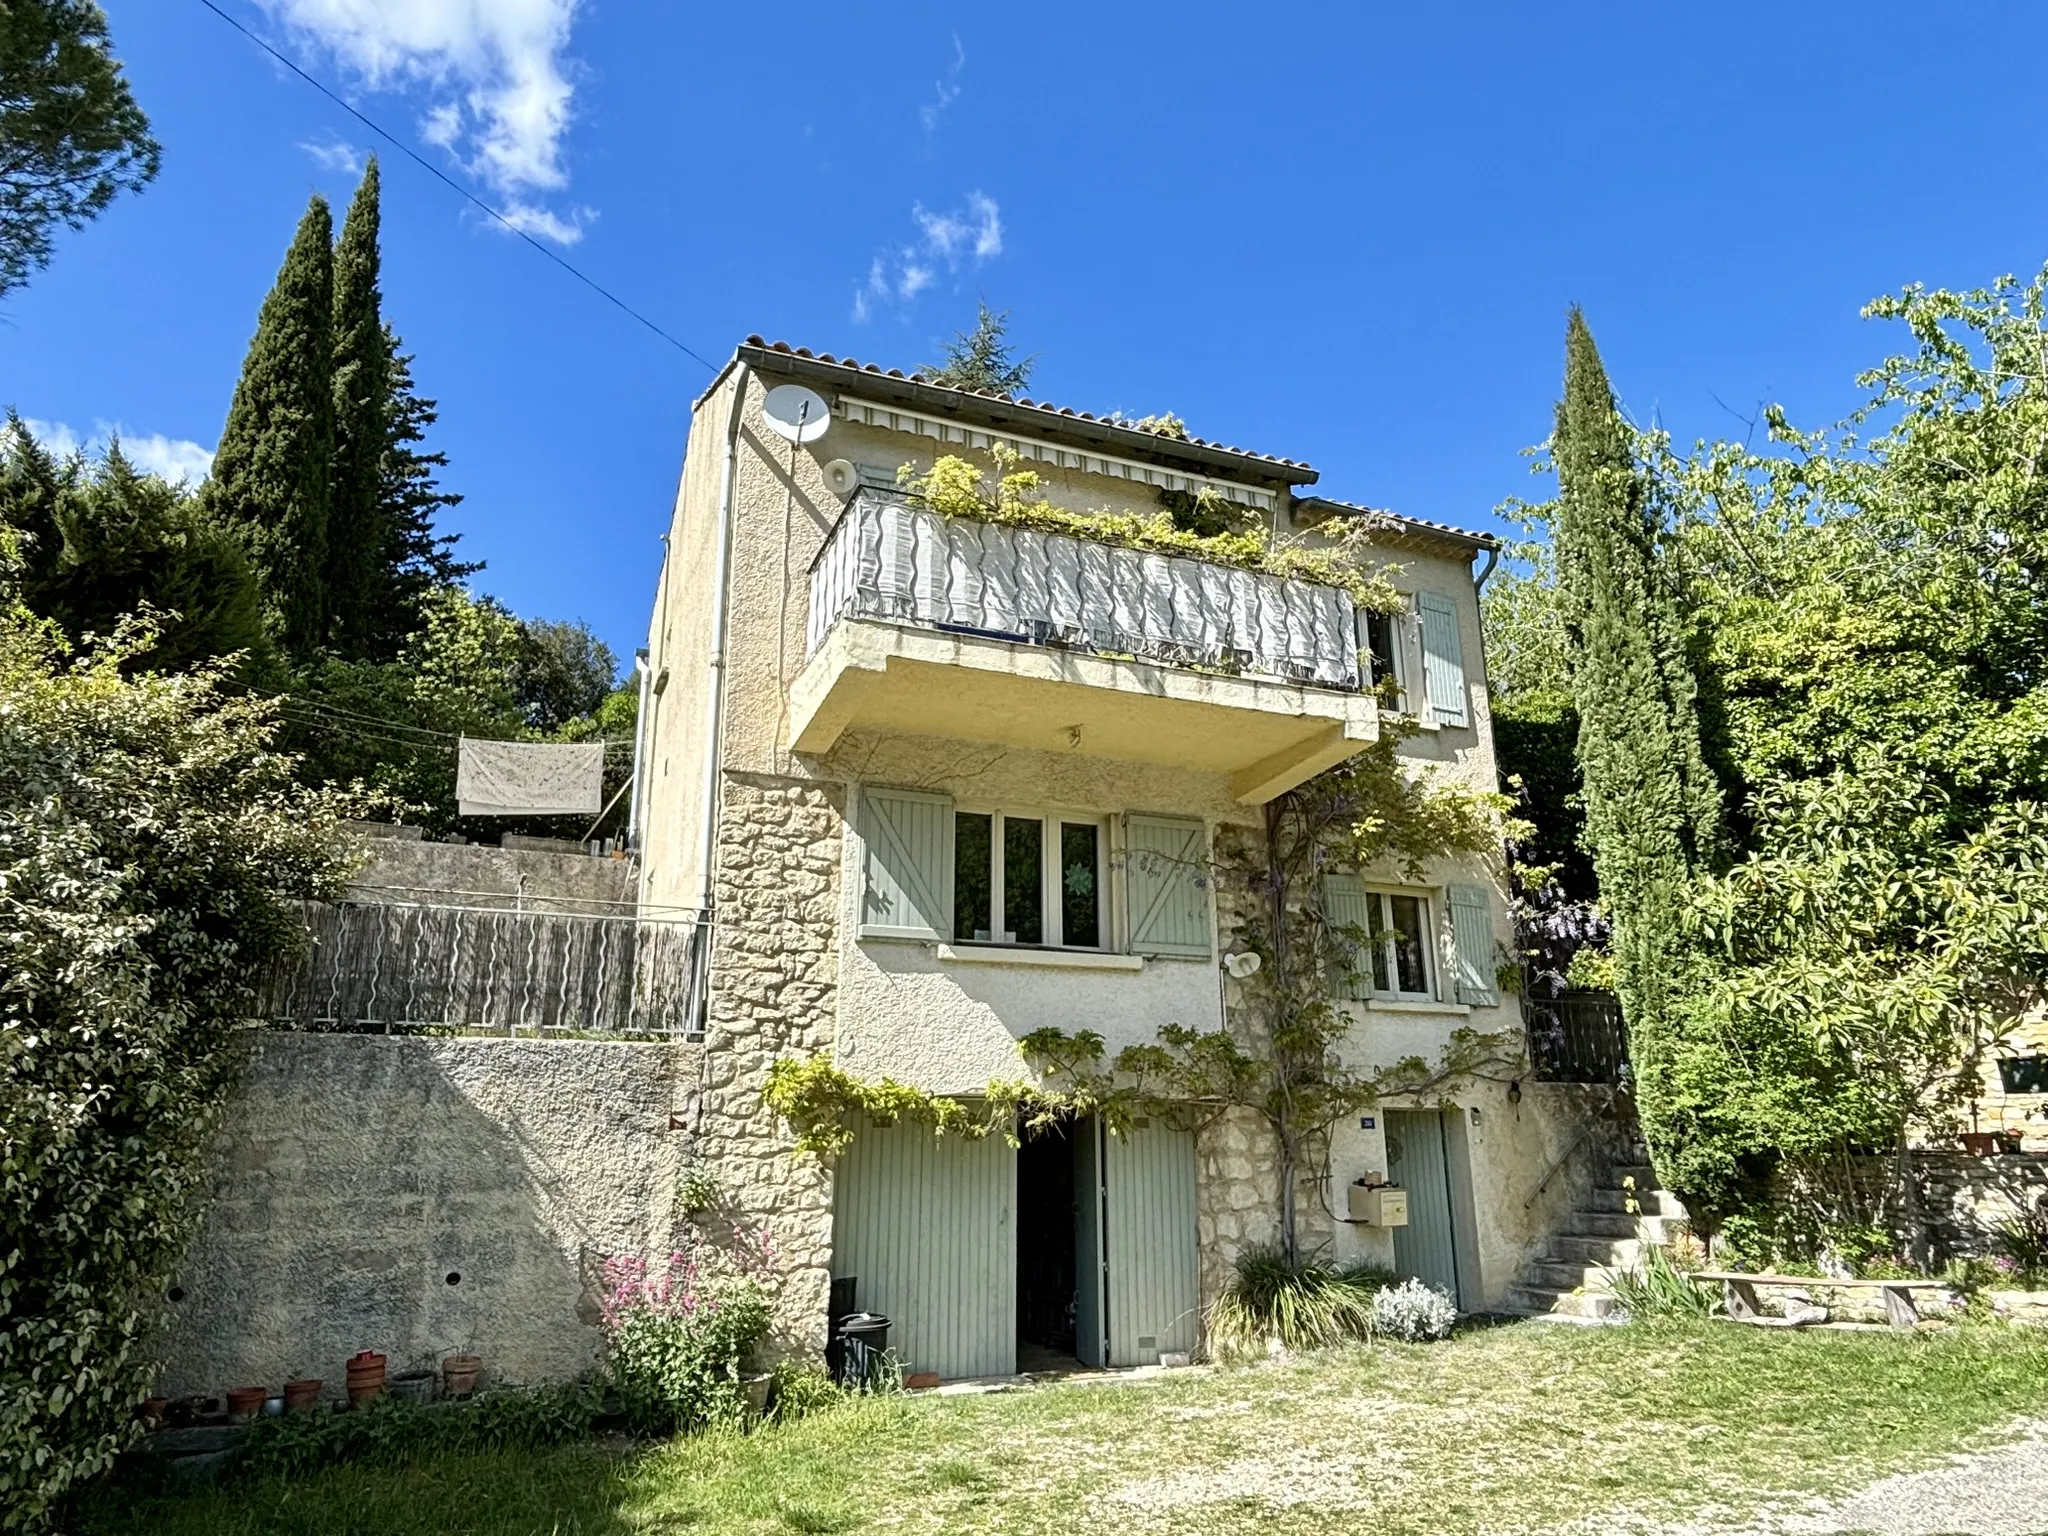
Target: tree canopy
x=72 y=138
x=981 y=358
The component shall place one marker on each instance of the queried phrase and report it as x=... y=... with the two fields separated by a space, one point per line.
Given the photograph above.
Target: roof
x=1412 y=527
x=1027 y=417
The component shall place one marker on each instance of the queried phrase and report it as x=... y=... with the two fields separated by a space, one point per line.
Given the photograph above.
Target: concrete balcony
x=931 y=626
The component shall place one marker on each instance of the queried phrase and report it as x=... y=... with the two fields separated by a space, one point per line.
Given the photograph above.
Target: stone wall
x=419 y=1196
x=1964 y=1199
x=774 y=984
x=476 y=874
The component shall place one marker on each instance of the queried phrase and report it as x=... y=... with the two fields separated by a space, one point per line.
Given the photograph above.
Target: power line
x=438 y=174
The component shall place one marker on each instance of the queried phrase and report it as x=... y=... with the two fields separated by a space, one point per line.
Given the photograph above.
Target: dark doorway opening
x=1046 y=1267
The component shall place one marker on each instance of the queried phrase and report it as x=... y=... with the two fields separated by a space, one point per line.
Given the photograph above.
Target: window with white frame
x=1397 y=959
x=1029 y=877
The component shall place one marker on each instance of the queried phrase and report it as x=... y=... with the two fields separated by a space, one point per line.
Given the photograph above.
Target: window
x=1026 y=877
x=1382 y=648
x=1391 y=931
x=2023 y=1074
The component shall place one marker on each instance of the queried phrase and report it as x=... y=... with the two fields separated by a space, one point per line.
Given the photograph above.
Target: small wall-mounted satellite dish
x=799 y=414
x=842 y=479
x=1244 y=963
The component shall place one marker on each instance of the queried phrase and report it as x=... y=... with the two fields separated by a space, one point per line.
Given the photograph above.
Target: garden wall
x=419 y=1196
x=1964 y=1199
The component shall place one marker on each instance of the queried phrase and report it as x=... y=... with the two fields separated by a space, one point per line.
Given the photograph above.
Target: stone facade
x=2025 y=1114
x=1963 y=1199
x=774 y=985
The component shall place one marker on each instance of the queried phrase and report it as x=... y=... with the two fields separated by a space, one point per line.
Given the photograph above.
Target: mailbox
x=1379 y=1205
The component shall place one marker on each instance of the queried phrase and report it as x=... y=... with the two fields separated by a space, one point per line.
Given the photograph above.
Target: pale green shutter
x=1347 y=904
x=1472 y=937
x=1443 y=659
x=1166 y=884
x=906 y=865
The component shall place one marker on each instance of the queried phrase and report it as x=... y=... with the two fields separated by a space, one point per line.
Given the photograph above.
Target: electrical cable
x=438 y=174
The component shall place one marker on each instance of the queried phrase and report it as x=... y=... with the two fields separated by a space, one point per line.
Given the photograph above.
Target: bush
x=797 y=1391
x=1659 y=1288
x=677 y=1340
x=2023 y=1242
x=390 y=1433
x=151 y=847
x=1310 y=1305
x=1413 y=1311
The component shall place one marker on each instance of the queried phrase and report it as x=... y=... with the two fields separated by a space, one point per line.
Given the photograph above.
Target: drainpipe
x=721 y=608
x=1492 y=559
x=644 y=676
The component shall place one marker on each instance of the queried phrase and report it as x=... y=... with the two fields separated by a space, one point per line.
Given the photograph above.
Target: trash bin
x=861 y=1340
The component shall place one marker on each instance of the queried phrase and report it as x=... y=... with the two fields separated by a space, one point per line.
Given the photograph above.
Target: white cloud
x=944 y=92
x=496 y=75
x=175 y=458
x=957 y=240
x=336 y=156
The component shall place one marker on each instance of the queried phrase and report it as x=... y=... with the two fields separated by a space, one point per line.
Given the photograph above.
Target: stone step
x=1539 y=1301
x=1644 y=1175
x=1651 y=1202
x=1564 y=1275
x=1612 y=1252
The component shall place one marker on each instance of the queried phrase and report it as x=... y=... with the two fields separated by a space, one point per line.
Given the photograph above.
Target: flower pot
x=301 y=1395
x=153 y=1410
x=756 y=1388
x=459 y=1373
x=246 y=1402
x=413 y=1387
x=365 y=1378
x=1980 y=1143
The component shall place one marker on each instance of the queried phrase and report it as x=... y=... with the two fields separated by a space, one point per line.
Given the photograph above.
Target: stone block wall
x=774 y=983
x=419 y=1196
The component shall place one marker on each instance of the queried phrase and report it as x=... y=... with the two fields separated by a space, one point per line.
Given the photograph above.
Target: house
x=941 y=783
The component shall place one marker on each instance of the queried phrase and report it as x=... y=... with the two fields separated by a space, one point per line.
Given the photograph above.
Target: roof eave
x=1405 y=527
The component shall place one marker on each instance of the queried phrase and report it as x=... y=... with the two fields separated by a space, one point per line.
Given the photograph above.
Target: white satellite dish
x=842 y=479
x=1244 y=963
x=799 y=414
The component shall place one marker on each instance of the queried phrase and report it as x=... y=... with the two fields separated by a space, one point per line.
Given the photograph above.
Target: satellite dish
x=1244 y=963
x=841 y=478
x=799 y=414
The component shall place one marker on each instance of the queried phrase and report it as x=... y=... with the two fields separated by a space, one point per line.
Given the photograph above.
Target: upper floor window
x=1027 y=877
x=1395 y=939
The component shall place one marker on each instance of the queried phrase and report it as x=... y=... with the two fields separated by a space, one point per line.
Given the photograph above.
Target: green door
x=1418 y=1159
x=925 y=1225
x=1154 y=1288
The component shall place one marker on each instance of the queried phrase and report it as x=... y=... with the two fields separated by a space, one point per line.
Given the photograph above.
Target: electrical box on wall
x=1379 y=1205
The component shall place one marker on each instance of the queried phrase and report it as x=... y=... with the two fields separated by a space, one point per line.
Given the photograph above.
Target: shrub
x=2023 y=1241
x=1311 y=1305
x=677 y=1340
x=1659 y=1288
x=151 y=847
x=1413 y=1311
x=389 y=1432
x=796 y=1391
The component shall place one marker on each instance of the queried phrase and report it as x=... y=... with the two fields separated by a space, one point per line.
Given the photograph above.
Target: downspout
x=721 y=609
x=1492 y=559
x=644 y=675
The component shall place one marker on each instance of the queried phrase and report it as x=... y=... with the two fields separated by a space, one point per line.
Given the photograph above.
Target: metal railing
x=888 y=558
x=408 y=968
x=1577 y=1038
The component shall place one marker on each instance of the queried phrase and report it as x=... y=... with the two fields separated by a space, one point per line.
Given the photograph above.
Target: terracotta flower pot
x=365 y=1378
x=1980 y=1143
x=246 y=1402
x=302 y=1394
x=459 y=1373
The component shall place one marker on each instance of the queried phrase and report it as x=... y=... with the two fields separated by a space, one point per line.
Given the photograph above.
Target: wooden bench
x=1739 y=1292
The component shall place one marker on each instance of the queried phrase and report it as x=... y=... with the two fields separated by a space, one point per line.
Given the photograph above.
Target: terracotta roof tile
x=1422 y=524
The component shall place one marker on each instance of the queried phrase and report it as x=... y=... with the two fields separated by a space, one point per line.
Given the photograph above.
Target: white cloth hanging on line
x=529 y=778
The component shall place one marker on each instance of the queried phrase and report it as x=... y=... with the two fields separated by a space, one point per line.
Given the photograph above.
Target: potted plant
x=301 y=1394
x=459 y=1373
x=365 y=1377
x=1980 y=1143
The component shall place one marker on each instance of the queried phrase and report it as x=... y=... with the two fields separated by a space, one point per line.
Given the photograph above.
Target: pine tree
x=272 y=474
x=1652 y=807
x=357 y=569
x=980 y=359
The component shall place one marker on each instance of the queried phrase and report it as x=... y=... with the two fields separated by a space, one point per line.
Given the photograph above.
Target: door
x=1148 y=1207
x=1418 y=1159
x=1091 y=1345
x=925 y=1225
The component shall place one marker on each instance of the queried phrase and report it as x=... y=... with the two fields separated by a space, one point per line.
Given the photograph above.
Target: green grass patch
x=1501 y=1430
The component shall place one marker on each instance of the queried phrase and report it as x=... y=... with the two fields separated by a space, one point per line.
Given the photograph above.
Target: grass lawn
x=1502 y=1429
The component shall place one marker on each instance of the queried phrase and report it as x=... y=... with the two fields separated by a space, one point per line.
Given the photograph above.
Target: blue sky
x=1346 y=234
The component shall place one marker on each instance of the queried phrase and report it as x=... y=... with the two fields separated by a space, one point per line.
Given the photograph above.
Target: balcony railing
x=890 y=559
x=409 y=968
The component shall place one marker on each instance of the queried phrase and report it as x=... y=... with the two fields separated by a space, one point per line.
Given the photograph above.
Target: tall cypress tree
x=1653 y=807
x=417 y=560
x=272 y=474
x=356 y=568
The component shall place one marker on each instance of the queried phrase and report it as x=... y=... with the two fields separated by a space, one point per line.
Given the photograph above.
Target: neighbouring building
x=942 y=782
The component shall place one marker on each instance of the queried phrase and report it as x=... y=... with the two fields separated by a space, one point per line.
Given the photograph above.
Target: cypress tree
x=415 y=560
x=272 y=474
x=1652 y=807
x=357 y=567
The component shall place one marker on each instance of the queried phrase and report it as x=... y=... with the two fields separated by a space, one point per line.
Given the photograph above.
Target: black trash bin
x=860 y=1340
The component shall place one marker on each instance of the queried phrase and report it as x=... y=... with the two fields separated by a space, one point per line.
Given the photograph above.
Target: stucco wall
x=356 y=1174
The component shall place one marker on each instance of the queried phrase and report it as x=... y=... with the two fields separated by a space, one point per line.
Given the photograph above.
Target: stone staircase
x=1567 y=1278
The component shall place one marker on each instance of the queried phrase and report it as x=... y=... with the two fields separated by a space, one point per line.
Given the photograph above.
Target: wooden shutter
x=1443 y=660
x=1347 y=904
x=906 y=865
x=1472 y=939
x=1166 y=884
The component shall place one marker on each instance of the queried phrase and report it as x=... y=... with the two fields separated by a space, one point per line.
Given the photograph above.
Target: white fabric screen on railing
x=888 y=559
